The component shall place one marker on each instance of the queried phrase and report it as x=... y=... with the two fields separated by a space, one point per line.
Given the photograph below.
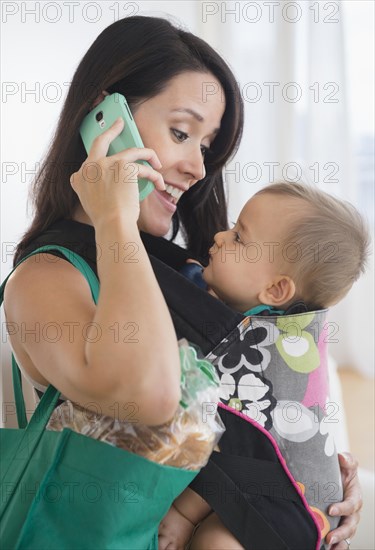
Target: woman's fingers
x=352 y=490
x=100 y=145
x=138 y=153
x=126 y=160
x=132 y=171
x=108 y=186
x=348 y=462
x=346 y=530
x=349 y=508
x=125 y=168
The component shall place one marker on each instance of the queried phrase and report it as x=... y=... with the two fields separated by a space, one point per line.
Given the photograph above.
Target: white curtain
x=291 y=60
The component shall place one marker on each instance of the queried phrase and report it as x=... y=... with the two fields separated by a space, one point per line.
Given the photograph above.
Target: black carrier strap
x=197 y=316
x=237 y=513
x=247 y=487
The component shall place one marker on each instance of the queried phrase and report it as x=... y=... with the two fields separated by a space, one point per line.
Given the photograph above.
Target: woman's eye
x=237 y=237
x=205 y=150
x=181 y=136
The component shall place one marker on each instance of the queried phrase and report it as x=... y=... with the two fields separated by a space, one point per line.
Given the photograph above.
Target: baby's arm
x=178 y=525
x=192 y=506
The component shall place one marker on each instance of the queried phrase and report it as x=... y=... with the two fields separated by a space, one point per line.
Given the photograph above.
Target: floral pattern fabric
x=274 y=371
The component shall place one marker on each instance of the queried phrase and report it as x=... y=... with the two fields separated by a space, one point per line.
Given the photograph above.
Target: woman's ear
x=280 y=291
x=99 y=99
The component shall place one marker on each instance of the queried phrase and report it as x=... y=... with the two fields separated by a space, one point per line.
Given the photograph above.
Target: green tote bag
x=63 y=490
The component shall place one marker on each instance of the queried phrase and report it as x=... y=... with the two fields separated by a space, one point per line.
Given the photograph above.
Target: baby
x=292 y=245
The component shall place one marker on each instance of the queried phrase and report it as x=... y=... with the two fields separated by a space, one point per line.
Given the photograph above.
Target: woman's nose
x=193 y=165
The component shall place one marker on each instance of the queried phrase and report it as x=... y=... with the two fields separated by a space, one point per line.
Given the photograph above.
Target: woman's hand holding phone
x=108 y=186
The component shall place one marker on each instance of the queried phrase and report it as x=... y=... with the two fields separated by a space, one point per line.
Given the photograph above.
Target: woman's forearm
x=138 y=345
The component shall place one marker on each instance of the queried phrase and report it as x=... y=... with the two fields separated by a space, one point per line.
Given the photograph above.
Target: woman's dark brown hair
x=137 y=56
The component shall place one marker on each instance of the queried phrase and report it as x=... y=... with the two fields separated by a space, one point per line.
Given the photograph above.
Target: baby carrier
x=277 y=471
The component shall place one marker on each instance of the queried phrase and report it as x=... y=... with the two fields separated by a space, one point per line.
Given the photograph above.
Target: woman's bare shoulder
x=39 y=274
x=47 y=302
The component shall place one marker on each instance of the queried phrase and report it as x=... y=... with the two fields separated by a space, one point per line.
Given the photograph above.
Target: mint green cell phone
x=101 y=118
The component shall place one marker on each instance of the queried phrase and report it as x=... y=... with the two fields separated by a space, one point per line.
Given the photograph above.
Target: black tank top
x=80 y=237
x=76 y=236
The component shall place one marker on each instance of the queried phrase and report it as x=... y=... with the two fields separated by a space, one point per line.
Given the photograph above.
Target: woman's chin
x=157 y=228
x=154 y=219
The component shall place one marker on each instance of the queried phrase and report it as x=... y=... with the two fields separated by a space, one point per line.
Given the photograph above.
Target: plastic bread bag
x=185 y=441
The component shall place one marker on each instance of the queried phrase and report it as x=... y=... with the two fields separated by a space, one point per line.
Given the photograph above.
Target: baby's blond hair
x=333 y=243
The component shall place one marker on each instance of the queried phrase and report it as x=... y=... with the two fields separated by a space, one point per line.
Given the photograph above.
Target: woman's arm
x=101 y=363
x=144 y=360
x=350 y=507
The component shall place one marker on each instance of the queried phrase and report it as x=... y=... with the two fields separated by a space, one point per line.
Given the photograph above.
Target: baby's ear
x=278 y=292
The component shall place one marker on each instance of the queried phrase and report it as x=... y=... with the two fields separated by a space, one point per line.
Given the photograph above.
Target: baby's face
x=246 y=260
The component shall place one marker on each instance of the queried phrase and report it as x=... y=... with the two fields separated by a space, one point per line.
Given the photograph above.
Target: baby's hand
x=193 y=271
x=191 y=261
x=209 y=290
x=175 y=531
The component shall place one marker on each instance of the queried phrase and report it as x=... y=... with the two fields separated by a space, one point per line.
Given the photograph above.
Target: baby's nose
x=219 y=238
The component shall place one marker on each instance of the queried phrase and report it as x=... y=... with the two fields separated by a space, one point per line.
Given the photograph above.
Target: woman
x=189 y=112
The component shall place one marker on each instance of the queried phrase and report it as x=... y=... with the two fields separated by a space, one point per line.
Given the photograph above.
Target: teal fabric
x=257 y=309
x=63 y=490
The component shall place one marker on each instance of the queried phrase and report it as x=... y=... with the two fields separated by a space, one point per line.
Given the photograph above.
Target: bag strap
x=18 y=394
x=92 y=280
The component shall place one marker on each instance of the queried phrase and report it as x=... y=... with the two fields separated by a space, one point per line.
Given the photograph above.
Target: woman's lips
x=163 y=197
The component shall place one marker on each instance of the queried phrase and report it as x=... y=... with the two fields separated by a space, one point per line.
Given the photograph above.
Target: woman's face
x=179 y=124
